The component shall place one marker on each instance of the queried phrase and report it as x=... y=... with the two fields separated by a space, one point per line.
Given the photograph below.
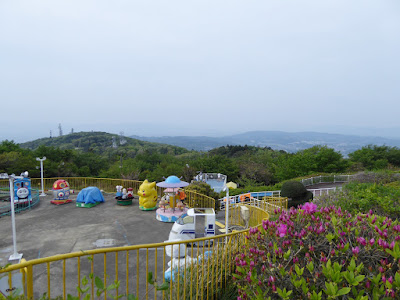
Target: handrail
x=59 y=257
x=221 y=266
x=193 y=199
x=326 y=179
x=245 y=197
x=19 y=206
x=306 y=182
x=236 y=239
x=324 y=191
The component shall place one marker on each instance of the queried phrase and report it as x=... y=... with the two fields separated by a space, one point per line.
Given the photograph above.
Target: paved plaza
x=49 y=229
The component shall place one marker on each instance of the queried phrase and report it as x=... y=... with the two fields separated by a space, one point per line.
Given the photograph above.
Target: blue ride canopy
x=91 y=194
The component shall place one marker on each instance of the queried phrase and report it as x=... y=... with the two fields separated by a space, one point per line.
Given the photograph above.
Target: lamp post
x=15 y=255
x=227 y=212
x=41 y=173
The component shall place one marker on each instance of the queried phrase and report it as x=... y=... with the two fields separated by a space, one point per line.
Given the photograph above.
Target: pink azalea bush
x=327 y=253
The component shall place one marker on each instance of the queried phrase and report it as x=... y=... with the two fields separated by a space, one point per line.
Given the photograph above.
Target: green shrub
x=321 y=254
x=293 y=189
x=382 y=199
x=296 y=201
x=296 y=192
x=202 y=188
x=381 y=177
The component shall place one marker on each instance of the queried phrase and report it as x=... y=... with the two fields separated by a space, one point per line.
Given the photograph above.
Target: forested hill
x=102 y=143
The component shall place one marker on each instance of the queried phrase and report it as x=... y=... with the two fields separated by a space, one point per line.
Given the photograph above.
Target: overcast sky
x=198 y=67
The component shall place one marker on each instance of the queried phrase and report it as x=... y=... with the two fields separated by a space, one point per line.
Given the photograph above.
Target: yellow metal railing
x=77 y=183
x=4 y=183
x=196 y=200
x=272 y=203
x=61 y=274
x=203 y=272
x=254 y=217
x=193 y=199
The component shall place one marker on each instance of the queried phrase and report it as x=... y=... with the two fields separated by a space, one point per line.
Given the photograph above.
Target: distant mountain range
x=107 y=144
x=277 y=140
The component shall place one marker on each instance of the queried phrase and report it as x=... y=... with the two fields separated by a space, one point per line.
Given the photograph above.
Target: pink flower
x=355 y=250
x=310 y=207
x=252 y=265
x=392 y=244
x=282 y=230
x=362 y=241
x=383 y=244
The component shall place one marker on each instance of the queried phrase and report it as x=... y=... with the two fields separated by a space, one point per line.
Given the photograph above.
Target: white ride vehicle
x=196 y=223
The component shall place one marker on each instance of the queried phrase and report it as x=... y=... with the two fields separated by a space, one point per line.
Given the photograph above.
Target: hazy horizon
x=66 y=130
x=199 y=68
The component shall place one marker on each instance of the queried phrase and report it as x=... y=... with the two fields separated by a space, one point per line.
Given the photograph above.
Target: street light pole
x=227 y=213
x=41 y=173
x=15 y=255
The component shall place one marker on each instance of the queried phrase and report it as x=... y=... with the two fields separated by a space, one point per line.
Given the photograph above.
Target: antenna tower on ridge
x=60 y=133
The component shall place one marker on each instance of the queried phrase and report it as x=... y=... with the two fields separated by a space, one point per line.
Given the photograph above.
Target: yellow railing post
x=29 y=282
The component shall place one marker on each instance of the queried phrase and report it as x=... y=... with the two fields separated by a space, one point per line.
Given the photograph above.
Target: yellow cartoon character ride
x=147 y=195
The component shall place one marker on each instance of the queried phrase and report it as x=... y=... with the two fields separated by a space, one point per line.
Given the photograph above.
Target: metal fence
x=193 y=199
x=252 y=196
x=246 y=197
x=19 y=205
x=324 y=191
x=326 y=179
x=268 y=205
x=78 y=183
x=200 y=271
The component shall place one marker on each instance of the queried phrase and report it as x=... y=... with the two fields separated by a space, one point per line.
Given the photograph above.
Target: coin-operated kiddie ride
x=196 y=223
x=171 y=205
x=22 y=188
x=61 y=192
x=89 y=197
x=180 y=260
x=124 y=196
x=147 y=195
